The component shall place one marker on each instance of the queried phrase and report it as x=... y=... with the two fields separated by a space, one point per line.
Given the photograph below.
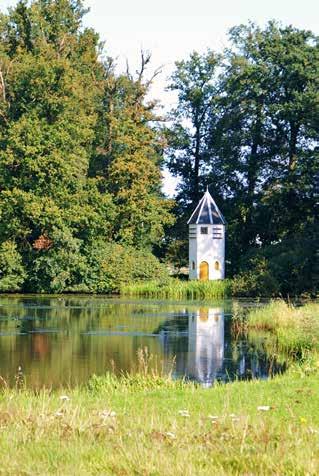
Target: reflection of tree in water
x=248 y=359
x=67 y=339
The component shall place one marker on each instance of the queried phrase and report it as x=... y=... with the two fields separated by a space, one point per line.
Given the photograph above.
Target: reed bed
x=177 y=289
x=295 y=329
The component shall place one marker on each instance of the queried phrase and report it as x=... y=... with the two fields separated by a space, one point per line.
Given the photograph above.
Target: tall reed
x=177 y=289
x=295 y=329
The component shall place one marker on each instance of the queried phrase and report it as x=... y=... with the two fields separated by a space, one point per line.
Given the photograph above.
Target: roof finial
x=206 y=188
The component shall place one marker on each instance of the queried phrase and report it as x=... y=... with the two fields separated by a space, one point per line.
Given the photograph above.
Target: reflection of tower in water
x=205 y=344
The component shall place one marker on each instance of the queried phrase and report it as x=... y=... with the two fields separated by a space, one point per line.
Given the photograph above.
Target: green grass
x=177 y=289
x=295 y=329
x=122 y=427
x=147 y=424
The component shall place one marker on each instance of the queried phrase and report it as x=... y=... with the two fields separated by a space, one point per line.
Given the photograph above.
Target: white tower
x=207 y=241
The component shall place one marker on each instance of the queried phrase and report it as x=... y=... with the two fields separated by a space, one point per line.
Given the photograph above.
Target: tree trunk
x=196 y=165
x=252 y=174
x=294 y=131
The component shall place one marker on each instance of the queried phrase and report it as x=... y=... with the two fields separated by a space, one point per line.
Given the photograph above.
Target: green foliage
x=80 y=156
x=296 y=328
x=60 y=268
x=283 y=268
x=258 y=150
x=130 y=161
x=256 y=280
x=99 y=267
x=176 y=253
x=12 y=272
x=111 y=265
x=81 y=151
x=194 y=80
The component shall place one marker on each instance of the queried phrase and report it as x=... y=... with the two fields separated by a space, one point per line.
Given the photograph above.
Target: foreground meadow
x=150 y=425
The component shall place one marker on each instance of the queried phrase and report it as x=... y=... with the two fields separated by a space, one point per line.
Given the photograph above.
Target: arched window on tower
x=193 y=265
x=217 y=266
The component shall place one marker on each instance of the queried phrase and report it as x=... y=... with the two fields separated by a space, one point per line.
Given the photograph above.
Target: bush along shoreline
x=120 y=425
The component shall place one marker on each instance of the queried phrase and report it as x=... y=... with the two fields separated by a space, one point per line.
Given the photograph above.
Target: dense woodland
x=82 y=148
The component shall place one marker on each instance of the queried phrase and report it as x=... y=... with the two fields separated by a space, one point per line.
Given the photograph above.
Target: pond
x=64 y=340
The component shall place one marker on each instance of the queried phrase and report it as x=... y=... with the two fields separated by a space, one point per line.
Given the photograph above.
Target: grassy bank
x=177 y=289
x=163 y=428
x=148 y=424
x=294 y=330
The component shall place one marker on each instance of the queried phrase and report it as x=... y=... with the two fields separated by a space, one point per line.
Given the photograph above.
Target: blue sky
x=171 y=29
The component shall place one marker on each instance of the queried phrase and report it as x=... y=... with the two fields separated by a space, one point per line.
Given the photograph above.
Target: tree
x=12 y=272
x=51 y=83
x=272 y=116
x=260 y=145
x=130 y=157
x=194 y=80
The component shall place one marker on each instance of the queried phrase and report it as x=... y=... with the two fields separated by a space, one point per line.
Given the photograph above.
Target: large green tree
x=195 y=83
x=261 y=141
x=51 y=81
x=268 y=131
x=79 y=155
x=129 y=158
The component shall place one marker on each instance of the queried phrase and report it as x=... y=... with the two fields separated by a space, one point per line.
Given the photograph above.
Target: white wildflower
x=171 y=435
x=65 y=398
x=107 y=414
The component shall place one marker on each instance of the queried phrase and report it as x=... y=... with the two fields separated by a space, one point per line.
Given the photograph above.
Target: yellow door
x=203 y=271
x=203 y=314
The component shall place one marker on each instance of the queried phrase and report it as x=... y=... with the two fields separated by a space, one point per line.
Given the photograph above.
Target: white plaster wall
x=205 y=248
x=193 y=229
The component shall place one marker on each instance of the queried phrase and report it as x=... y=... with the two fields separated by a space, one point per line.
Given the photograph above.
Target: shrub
x=112 y=265
x=12 y=272
x=284 y=268
x=255 y=281
x=99 y=267
x=60 y=268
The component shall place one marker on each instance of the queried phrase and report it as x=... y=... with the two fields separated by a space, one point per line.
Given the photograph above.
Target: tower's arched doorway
x=204 y=271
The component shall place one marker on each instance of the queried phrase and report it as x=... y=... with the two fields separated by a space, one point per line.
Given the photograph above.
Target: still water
x=64 y=340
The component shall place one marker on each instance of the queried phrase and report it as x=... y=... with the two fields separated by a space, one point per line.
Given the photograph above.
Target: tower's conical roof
x=207 y=212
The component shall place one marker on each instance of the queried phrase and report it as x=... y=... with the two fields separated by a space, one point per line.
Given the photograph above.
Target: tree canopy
x=79 y=153
x=82 y=149
x=258 y=145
